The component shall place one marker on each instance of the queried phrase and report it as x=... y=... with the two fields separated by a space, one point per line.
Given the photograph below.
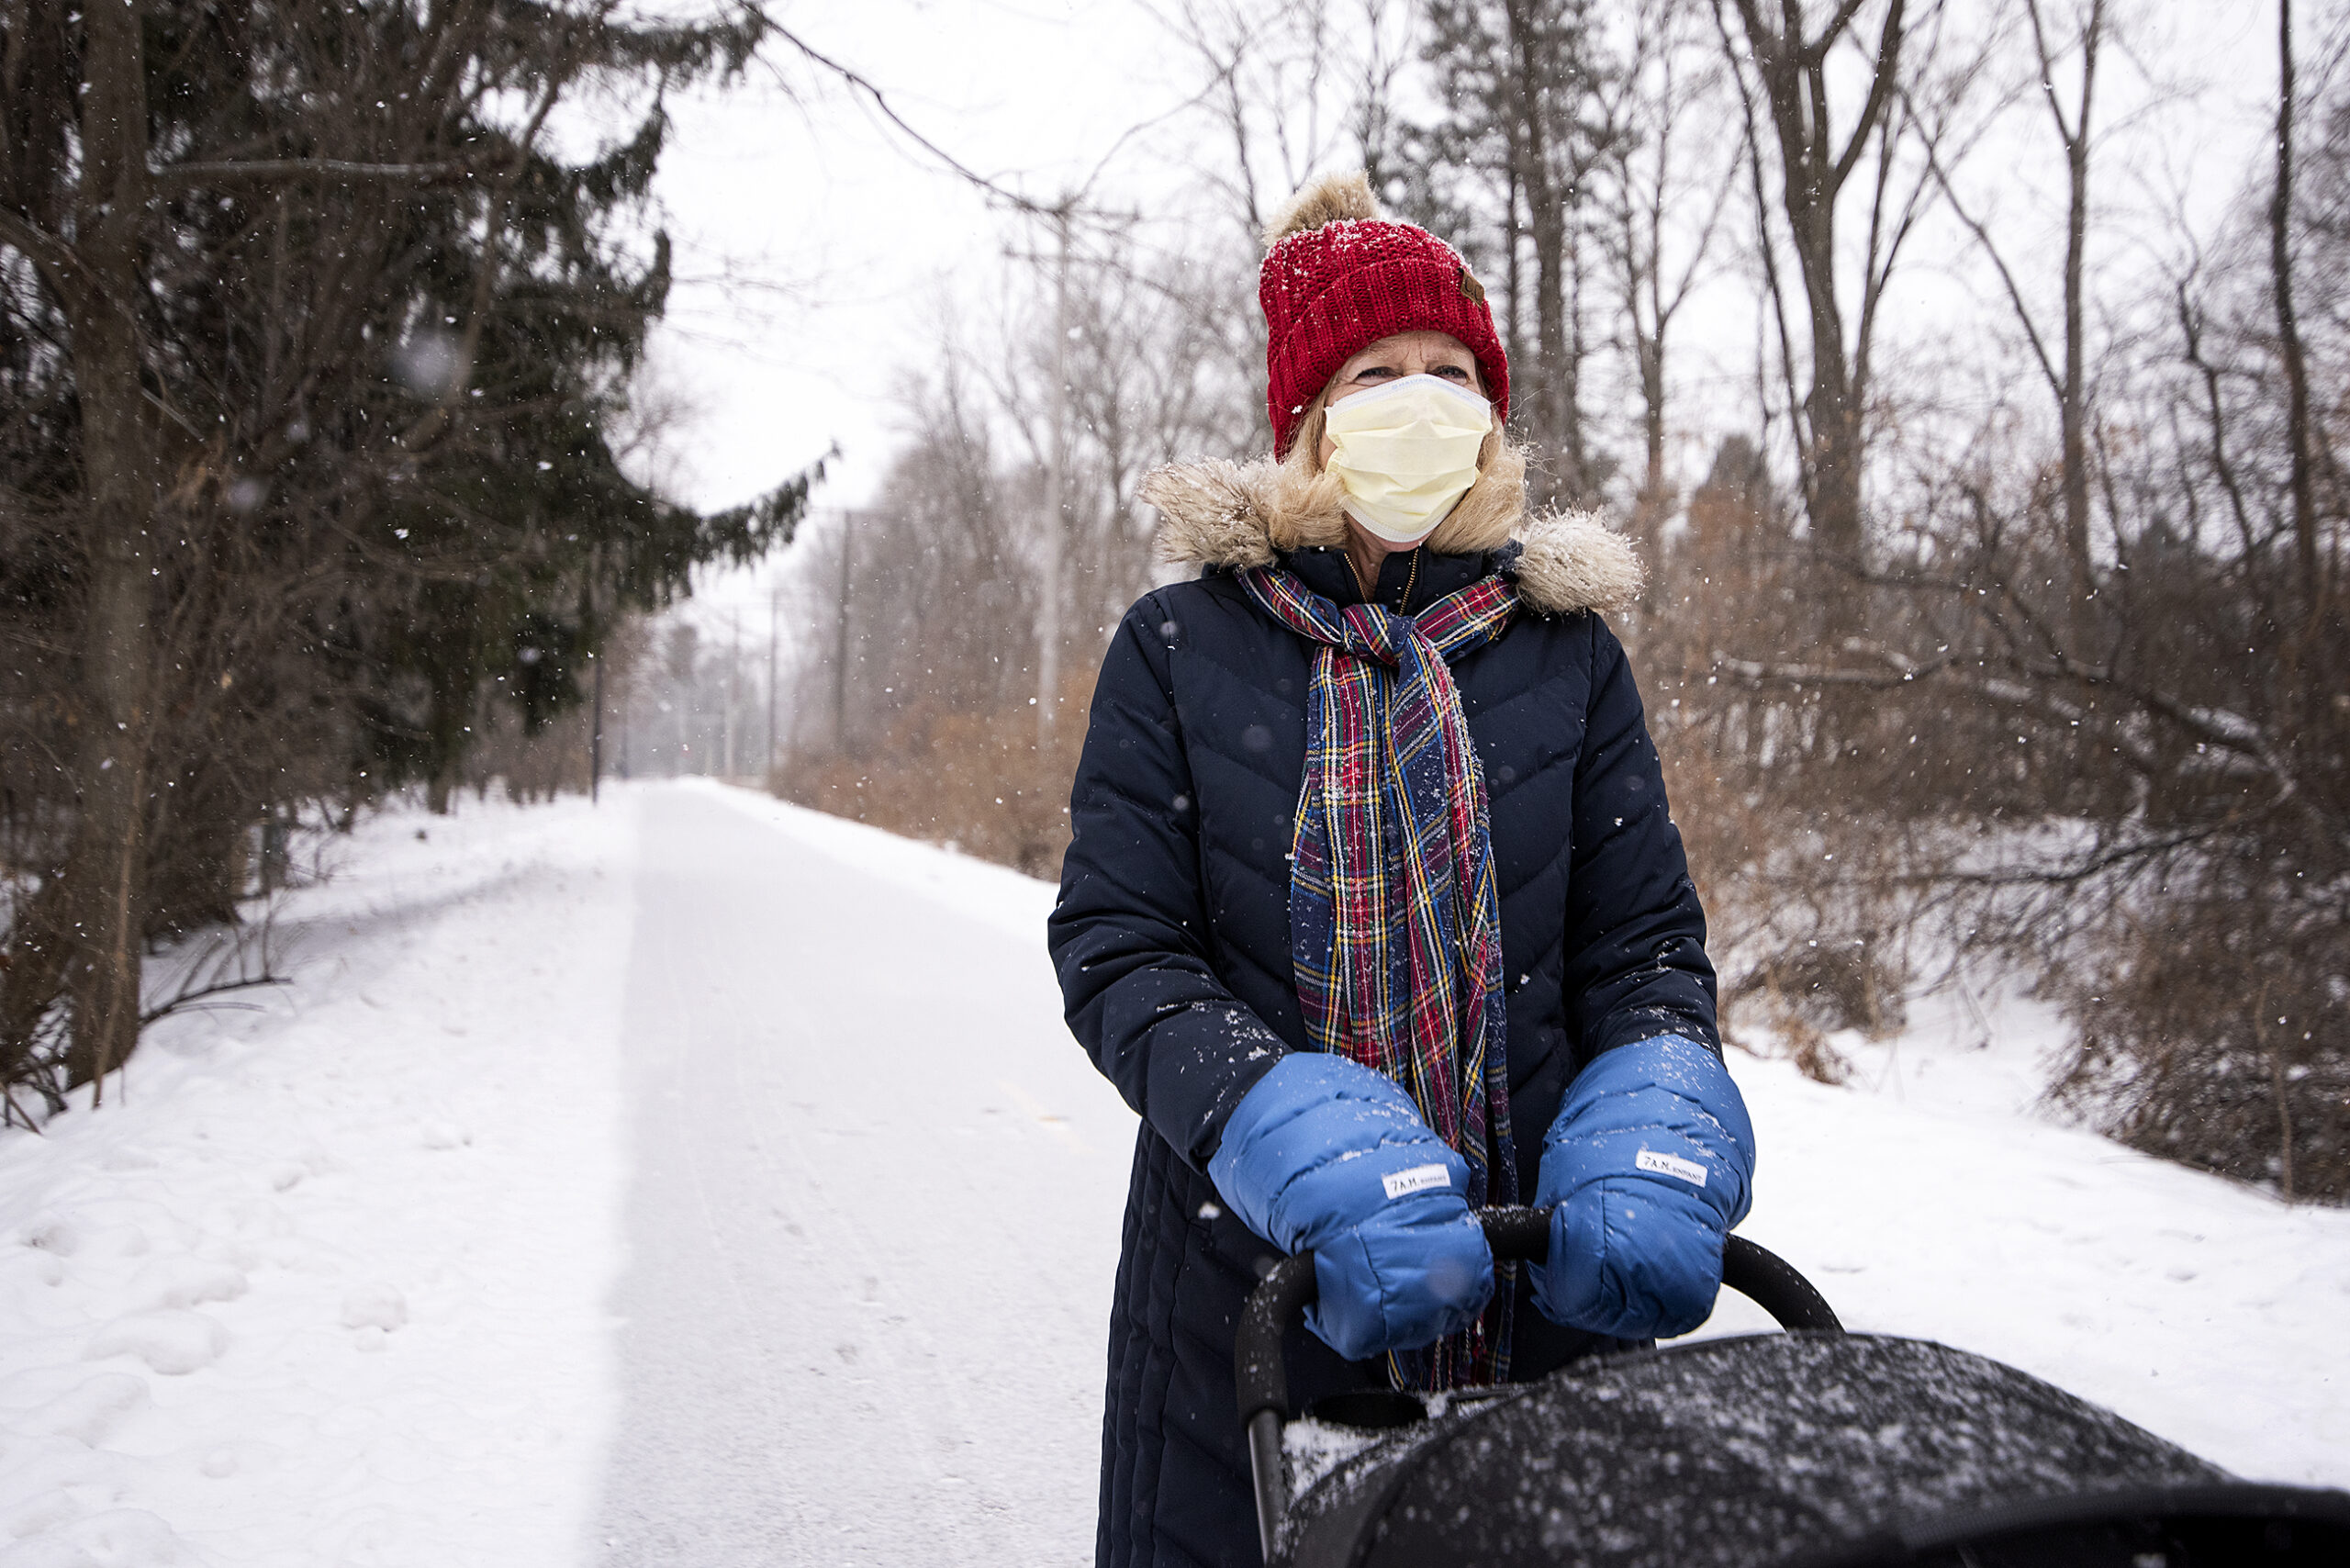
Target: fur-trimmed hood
x=1237 y=515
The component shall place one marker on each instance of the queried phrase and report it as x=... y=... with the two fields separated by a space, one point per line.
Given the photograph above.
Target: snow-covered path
x=874 y=1210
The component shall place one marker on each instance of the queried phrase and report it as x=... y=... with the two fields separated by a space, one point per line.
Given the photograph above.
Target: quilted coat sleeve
x=1130 y=933
x=1636 y=936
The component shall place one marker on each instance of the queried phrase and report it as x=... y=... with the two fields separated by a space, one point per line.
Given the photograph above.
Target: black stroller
x=1812 y=1448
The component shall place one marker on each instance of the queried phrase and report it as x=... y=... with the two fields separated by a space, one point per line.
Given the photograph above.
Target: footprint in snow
x=171 y=1340
x=375 y=1305
x=88 y=1412
x=443 y=1134
x=186 y=1282
x=131 y=1536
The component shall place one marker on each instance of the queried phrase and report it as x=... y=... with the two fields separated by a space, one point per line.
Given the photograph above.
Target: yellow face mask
x=1405 y=453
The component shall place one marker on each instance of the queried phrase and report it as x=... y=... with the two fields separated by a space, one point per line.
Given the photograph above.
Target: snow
x=324 y=1281
x=696 y=1179
x=171 y=1340
x=1925 y=1198
x=995 y=895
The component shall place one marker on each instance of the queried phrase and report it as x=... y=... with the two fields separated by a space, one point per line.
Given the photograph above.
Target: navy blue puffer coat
x=1171 y=935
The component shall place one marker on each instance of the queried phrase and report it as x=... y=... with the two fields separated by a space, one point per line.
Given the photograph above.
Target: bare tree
x=1277 y=80
x=1788 y=63
x=1650 y=195
x=2064 y=366
x=1524 y=84
x=98 y=280
x=1560 y=141
x=1130 y=351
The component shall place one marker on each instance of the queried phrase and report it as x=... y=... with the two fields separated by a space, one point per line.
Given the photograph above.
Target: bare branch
x=56 y=259
x=1888 y=69
x=880 y=103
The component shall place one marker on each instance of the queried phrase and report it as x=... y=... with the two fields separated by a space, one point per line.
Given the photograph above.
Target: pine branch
x=264 y=171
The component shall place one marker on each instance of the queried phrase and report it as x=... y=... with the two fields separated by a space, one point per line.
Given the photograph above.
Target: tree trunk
x=1581 y=486
x=453 y=610
x=1832 y=461
x=104 y=869
x=1793 y=72
x=1833 y=482
x=1649 y=507
x=1513 y=333
x=2072 y=393
x=2289 y=331
x=1551 y=417
x=1552 y=414
x=2072 y=414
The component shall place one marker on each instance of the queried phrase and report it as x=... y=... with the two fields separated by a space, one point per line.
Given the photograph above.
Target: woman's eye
x=1374 y=372
x=1454 y=371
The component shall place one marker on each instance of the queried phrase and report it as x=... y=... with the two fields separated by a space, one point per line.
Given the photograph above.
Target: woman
x=1374 y=911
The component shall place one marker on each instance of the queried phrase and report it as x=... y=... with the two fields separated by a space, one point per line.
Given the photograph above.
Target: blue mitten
x=1644 y=1172
x=1328 y=1154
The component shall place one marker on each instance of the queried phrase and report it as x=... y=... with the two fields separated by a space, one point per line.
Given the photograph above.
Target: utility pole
x=595 y=739
x=840 y=640
x=733 y=691
x=774 y=622
x=1048 y=623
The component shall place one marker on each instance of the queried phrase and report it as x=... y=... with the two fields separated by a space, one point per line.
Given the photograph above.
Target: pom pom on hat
x=1337 y=277
x=1329 y=199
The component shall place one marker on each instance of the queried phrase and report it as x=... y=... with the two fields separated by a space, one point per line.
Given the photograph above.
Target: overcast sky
x=813 y=242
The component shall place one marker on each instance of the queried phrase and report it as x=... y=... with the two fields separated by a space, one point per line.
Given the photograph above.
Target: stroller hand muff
x=1328 y=1156
x=1645 y=1171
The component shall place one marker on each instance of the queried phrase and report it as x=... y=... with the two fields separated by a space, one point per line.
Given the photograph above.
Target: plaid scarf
x=1395 y=919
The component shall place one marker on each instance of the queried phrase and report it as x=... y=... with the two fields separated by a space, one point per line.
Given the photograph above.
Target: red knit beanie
x=1337 y=277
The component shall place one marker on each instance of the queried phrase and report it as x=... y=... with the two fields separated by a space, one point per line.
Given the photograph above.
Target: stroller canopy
x=1797 y=1450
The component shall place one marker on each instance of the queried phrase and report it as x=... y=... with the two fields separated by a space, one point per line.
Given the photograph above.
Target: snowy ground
x=324 y=1282
x=1925 y=1198
x=693 y=1179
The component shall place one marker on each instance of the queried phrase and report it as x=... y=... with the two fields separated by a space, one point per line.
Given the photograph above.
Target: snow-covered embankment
x=324 y=1281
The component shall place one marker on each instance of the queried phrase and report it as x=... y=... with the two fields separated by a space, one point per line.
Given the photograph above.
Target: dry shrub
x=2212 y=1032
x=1726 y=831
x=974 y=782
x=1808 y=1047
x=1791 y=802
x=1803 y=909
x=1840 y=985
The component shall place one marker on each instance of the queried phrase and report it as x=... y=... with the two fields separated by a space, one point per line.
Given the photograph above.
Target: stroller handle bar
x=1521 y=1235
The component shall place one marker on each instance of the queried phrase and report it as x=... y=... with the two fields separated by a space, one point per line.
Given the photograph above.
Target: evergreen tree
x=1508 y=168
x=312 y=351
